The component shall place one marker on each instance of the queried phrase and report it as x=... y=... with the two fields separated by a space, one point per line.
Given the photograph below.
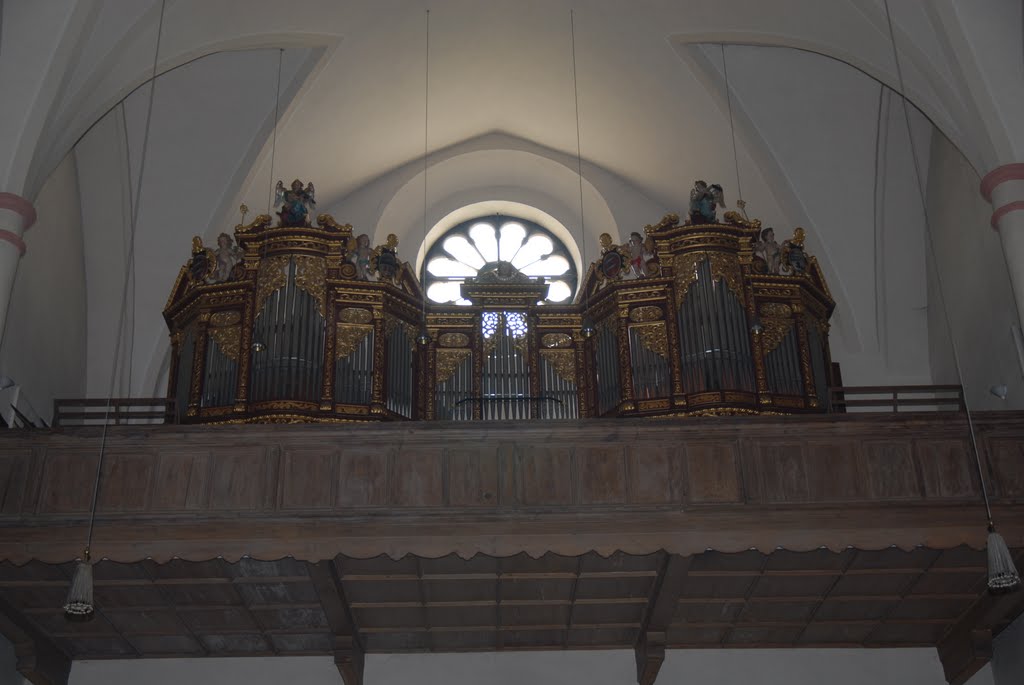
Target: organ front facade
x=306 y=322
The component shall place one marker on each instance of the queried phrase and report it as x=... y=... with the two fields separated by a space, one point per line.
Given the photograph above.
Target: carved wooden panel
x=781 y=471
x=947 y=468
x=537 y=475
x=238 y=480
x=834 y=471
x=473 y=476
x=889 y=471
x=67 y=481
x=418 y=477
x=14 y=479
x=181 y=480
x=602 y=474
x=656 y=475
x=362 y=477
x=1006 y=460
x=712 y=472
x=308 y=478
x=127 y=481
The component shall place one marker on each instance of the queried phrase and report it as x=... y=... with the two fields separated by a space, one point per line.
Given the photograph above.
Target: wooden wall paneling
x=418 y=476
x=1005 y=457
x=603 y=474
x=363 y=475
x=126 y=482
x=656 y=474
x=309 y=478
x=67 y=481
x=947 y=468
x=15 y=467
x=889 y=471
x=780 y=470
x=238 y=478
x=713 y=472
x=473 y=476
x=182 y=480
x=538 y=475
x=834 y=471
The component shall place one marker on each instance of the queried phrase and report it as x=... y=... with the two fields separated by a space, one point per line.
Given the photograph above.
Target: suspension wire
x=579 y=159
x=938 y=275
x=732 y=132
x=273 y=140
x=426 y=129
x=124 y=288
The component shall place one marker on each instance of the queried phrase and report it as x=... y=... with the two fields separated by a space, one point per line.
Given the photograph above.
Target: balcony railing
x=896 y=398
x=116 y=411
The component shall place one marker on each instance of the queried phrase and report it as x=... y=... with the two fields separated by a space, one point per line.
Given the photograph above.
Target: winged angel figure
x=296 y=203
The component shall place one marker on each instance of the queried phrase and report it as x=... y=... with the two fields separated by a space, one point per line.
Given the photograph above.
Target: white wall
x=918 y=666
x=971 y=268
x=44 y=345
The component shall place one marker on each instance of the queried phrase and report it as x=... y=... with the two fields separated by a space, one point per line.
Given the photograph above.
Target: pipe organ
x=310 y=323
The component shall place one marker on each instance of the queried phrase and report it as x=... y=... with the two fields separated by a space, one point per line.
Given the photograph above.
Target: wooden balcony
x=812 y=530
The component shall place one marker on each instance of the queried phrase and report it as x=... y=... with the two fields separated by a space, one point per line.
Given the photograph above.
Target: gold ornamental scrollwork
x=556 y=340
x=273 y=276
x=653 y=336
x=448 y=361
x=723 y=265
x=391 y=323
x=453 y=340
x=777 y=309
x=647 y=313
x=349 y=337
x=355 y=315
x=311 y=278
x=228 y=340
x=774 y=331
x=562 y=362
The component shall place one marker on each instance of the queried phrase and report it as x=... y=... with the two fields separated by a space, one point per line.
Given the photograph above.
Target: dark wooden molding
x=349 y=654
x=38 y=659
x=650 y=647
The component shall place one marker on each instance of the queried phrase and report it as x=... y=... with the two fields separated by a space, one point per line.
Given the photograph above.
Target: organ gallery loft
x=511 y=342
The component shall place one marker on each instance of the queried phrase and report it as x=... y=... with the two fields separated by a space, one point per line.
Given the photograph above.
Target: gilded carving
x=774 y=330
x=349 y=337
x=311 y=278
x=225 y=318
x=653 y=337
x=562 y=362
x=355 y=315
x=777 y=309
x=723 y=265
x=448 y=361
x=556 y=340
x=453 y=340
x=273 y=276
x=646 y=313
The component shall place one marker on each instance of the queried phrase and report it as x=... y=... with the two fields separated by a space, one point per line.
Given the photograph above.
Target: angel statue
x=704 y=201
x=295 y=203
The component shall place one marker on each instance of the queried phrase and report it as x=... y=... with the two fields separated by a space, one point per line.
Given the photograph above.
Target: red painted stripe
x=1007 y=172
x=13 y=239
x=16 y=203
x=1014 y=206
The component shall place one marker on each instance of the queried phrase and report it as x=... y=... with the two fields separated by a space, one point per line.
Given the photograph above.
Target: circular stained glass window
x=464 y=249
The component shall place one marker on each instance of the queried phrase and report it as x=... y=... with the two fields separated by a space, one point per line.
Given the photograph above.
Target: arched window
x=466 y=248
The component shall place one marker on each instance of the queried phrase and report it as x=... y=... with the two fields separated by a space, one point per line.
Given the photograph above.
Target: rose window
x=463 y=250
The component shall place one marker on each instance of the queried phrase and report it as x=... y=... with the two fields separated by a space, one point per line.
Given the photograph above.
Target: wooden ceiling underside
x=287 y=607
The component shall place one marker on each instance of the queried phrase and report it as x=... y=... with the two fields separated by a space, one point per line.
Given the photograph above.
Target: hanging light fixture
x=587 y=328
x=423 y=337
x=79 y=604
x=1003 y=575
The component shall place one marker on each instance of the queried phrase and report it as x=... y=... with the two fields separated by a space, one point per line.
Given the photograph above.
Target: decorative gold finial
x=244 y=209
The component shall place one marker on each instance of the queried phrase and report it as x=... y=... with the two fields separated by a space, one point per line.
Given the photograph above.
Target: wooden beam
x=967 y=646
x=349 y=654
x=38 y=659
x=650 y=647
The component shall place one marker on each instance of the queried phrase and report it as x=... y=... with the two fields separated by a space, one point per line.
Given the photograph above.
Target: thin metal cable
x=579 y=158
x=124 y=289
x=879 y=280
x=426 y=125
x=732 y=132
x=938 y=276
x=273 y=143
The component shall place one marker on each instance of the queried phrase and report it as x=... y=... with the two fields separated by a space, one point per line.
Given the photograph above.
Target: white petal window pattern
x=528 y=246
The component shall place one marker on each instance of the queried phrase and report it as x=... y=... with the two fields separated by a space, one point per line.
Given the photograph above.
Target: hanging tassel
x=79 y=605
x=1002 y=573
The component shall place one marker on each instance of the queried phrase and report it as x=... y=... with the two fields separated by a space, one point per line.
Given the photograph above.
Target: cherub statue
x=228 y=255
x=387 y=258
x=296 y=203
x=704 y=201
x=203 y=264
x=360 y=254
x=641 y=256
x=767 y=251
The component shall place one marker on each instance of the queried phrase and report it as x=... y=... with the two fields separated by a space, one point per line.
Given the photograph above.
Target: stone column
x=16 y=216
x=1004 y=188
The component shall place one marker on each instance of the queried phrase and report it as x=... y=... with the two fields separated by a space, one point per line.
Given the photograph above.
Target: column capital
x=1000 y=175
x=19 y=205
